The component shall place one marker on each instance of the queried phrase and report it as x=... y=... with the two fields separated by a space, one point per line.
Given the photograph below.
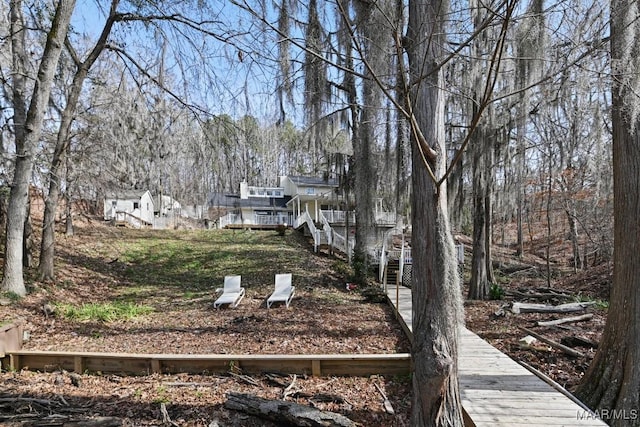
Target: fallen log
x=539 y=296
x=61 y=421
x=554 y=344
x=285 y=412
x=573 y=319
x=523 y=307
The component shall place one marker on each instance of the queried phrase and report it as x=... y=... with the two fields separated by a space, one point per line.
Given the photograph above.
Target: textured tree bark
x=436 y=295
x=612 y=383
x=13 y=280
x=479 y=284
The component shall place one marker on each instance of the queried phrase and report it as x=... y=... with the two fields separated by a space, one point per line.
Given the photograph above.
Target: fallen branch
x=289 y=390
x=247 y=379
x=190 y=384
x=523 y=307
x=540 y=296
x=386 y=403
x=62 y=421
x=285 y=412
x=166 y=419
x=554 y=344
x=573 y=319
x=275 y=380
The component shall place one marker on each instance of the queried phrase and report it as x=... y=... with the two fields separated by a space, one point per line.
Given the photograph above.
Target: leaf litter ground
x=101 y=264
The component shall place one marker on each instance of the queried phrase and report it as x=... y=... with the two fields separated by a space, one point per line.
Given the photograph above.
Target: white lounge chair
x=283 y=291
x=232 y=293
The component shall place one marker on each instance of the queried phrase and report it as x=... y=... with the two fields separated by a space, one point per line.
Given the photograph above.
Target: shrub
x=496 y=292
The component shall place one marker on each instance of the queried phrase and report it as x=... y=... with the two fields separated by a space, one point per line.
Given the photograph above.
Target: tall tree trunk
x=575 y=236
x=370 y=15
x=488 y=213
x=479 y=284
x=481 y=162
x=13 y=280
x=27 y=241
x=436 y=299
x=612 y=382
x=47 y=244
x=68 y=230
x=365 y=186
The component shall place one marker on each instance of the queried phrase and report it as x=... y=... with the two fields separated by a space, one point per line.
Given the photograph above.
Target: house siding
x=140 y=206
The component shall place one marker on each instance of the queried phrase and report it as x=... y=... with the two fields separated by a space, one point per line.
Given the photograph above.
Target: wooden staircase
x=393 y=269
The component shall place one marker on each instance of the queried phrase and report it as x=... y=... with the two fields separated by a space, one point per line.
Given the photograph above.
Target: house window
x=136 y=205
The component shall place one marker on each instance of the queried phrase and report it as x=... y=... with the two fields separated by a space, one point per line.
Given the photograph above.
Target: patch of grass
x=189 y=295
x=343 y=268
x=162 y=395
x=11 y=296
x=333 y=298
x=103 y=312
x=598 y=303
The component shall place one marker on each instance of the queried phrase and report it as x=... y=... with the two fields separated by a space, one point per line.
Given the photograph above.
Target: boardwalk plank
x=495 y=390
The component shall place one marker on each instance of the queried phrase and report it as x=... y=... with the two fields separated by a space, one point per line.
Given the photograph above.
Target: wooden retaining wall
x=144 y=364
x=11 y=336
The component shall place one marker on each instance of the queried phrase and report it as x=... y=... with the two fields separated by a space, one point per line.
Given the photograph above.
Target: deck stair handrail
x=401 y=264
x=326 y=228
x=133 y=220
x=340 y=243
x=383 y=261
x=305 y=218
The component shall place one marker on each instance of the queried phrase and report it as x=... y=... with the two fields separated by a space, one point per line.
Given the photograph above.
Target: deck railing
x=334 y=216
x=237 y=219
x=340 y=217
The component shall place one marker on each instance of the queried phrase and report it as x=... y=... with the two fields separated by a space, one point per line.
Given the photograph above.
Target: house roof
x=234 y=201
x=312 y=181
x=125 y=194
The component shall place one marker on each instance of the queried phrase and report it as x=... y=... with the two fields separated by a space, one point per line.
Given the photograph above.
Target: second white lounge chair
x=283 y=291
x=232 y=293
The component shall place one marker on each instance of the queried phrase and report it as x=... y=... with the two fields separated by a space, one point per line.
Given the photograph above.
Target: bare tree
x=31 y=127
x=45 y=268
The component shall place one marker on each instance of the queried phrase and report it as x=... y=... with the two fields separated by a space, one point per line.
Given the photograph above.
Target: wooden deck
x=497 y=391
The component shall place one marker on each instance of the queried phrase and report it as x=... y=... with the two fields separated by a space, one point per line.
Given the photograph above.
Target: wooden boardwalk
x=497 y=391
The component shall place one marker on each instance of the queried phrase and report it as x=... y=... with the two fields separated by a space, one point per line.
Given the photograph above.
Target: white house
x=132 y=206
x=271 y=206
x=311 y=194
